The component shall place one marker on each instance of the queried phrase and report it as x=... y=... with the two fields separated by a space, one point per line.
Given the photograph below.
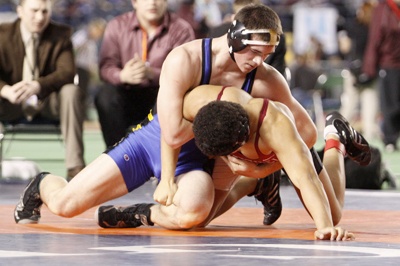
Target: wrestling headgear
x=239 y=37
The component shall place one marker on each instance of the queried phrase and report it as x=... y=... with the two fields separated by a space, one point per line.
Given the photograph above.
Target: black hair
x=220 y=128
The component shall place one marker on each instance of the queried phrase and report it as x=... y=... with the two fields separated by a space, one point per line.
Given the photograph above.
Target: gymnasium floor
x=236 y=238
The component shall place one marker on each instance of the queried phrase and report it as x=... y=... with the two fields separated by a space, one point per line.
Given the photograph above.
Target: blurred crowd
x=77 y=13
x=318 y=36
x=201 y=14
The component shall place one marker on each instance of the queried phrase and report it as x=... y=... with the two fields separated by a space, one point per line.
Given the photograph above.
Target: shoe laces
x=269 y=195
x=33 y=200
x=273 y=195
x=124 y=215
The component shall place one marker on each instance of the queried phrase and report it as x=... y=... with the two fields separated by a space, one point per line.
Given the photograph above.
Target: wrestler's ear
x=236 y=36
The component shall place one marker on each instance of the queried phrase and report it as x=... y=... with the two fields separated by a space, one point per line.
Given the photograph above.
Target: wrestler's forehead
x=262 y=48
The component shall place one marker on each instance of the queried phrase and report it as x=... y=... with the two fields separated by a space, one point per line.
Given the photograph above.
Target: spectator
x=381 y=60
x=41 y=86
x=304 y=78
x=354 y=93
x=208 y=10
x=86 y=43
x=222 y=29
x=186 y=11
x=276 y=59
x=134 y=47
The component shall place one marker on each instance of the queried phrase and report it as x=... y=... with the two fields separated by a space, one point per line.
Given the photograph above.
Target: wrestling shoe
x=267 y=191
x=27 y=210
x=357 y=148
x=123 y=217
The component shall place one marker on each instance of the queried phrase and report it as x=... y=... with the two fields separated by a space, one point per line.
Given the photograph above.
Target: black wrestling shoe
x=267 y=191
x=124 y=217
x=357 y=148
x=27 y=210
x=331 y=117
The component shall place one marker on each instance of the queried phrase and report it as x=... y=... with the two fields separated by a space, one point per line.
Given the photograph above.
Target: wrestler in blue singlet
x=138 y=155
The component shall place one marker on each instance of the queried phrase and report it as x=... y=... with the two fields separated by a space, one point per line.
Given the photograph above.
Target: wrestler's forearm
x=169 y=159
x=316 y=202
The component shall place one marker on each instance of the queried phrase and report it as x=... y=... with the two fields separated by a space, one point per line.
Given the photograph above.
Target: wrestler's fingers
x=161 y=200
x=340 y=233
x=347 y=236
x=326 y=234
x=233 y=159
x=168 y=201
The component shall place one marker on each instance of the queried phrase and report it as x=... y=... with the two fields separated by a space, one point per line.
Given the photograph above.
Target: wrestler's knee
x=64 y=207
x=190 y=219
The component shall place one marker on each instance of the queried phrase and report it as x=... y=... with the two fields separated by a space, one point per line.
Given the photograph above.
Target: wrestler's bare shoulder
x=268 y=82
x=190 y=52
x=280 y=109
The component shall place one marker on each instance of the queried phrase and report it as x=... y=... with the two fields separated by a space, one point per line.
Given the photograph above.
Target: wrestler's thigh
x=195 y=191
x=97 y=183
x=222 y=176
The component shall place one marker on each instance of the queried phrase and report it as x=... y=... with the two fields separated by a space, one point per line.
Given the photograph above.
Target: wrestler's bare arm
x=295 y=157
x=275 y=88
x=180 y=72
x=166 y=189
x=204 y=94
x=250 y=169
x=178 y=75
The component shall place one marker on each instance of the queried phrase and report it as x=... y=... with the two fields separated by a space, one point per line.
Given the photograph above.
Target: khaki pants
x=367 y=99
x=67 y=105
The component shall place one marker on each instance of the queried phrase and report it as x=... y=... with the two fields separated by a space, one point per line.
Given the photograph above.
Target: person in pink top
x=133 y=50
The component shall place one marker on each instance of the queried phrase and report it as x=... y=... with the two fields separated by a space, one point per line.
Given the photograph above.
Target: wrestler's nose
x=258 y=60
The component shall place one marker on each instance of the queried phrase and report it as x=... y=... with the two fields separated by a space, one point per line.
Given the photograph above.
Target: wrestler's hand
x=243 y=167
x=165 y=192
x=333 y=233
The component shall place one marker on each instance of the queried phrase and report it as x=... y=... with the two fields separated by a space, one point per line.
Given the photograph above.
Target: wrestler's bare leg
x=224 y=182
x=243 y=187
x=191 y=205
x=97 y=183
x=197 y=200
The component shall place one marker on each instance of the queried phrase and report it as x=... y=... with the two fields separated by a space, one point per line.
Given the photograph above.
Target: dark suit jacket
x=55 y=57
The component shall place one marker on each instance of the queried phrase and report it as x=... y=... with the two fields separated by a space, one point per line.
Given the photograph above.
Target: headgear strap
x=239 y=37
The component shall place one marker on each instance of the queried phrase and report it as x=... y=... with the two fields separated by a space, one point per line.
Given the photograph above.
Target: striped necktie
x=30 y=69
x=31 y=72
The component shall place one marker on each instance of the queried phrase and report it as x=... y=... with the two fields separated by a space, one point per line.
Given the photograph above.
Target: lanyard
x=144 y=45
x=394 y=7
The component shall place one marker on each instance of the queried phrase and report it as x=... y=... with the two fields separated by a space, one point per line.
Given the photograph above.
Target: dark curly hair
x=221 y=127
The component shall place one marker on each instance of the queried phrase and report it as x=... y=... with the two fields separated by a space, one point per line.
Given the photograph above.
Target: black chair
x=38 y=129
